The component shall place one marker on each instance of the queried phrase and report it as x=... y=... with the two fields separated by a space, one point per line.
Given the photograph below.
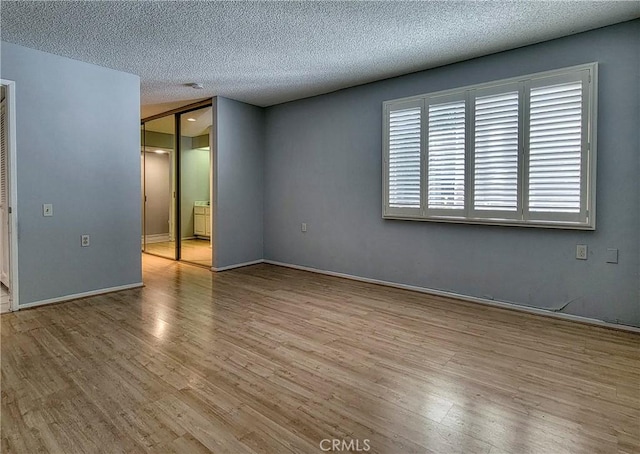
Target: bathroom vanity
x=202 y=219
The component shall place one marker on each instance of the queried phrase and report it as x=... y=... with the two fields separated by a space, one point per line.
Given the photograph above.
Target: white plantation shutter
x=496 y=151
x=556 y=148
x=404 y=157
x=446 y=155
x=513 y=152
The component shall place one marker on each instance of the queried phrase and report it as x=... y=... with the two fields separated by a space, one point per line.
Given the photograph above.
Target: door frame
x=14 y=291
x=176 y=218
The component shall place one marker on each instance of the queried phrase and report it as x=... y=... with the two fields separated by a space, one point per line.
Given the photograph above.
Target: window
x=516 y=152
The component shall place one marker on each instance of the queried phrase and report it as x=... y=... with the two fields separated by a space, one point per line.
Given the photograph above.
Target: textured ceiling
x=266 y=53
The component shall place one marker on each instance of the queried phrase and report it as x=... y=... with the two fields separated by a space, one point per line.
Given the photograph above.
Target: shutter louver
x=446 y=156
x=404 y=158
x=496 y=152
x=555 y=138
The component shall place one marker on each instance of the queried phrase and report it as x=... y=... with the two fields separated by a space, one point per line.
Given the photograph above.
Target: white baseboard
x=76 y=296
x=474 y=299
x=238 y=265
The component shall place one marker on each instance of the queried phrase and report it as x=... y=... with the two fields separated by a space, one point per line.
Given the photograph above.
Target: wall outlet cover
x=581 y=252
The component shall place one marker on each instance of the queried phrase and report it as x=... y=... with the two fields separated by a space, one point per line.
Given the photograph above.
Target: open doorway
x=8 y=240
x=176 y=181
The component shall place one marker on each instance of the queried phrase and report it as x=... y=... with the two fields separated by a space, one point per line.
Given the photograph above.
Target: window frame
x=584 y=220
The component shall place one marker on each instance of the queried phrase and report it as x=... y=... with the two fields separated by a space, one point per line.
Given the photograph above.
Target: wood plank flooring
x=197 y=251
x=266 y=359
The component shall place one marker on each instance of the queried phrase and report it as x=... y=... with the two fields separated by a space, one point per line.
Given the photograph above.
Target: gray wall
x=159 y=183
x=323 y=167
x=78 y=147
x=158 y=139
x=238 y=182
x=194 y=182
x=158 y=190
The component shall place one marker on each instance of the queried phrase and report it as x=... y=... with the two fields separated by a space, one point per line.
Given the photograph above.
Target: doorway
x=176 y=181
x=8 y=240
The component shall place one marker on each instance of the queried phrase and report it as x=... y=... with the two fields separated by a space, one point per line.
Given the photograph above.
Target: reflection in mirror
x=159 y=186
x=195 y=187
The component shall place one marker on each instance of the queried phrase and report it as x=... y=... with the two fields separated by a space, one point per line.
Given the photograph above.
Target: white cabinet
x=202 y=221
x=198 y=224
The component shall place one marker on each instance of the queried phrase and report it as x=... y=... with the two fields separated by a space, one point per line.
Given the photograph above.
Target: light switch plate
x=47 y=209
x=612 y=255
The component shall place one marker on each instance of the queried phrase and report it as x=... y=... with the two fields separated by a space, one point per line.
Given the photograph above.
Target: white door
x=4 y=196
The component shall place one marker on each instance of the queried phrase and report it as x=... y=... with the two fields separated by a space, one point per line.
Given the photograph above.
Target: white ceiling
x=266 y=53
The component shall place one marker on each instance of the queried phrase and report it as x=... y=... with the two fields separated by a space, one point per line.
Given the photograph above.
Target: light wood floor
x=196 y=251
x=272 y=360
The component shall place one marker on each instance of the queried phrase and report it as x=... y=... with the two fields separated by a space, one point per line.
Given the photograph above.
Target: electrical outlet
x=85 y=241
x=581 y=252
x=303 y=227
x=47 y=209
